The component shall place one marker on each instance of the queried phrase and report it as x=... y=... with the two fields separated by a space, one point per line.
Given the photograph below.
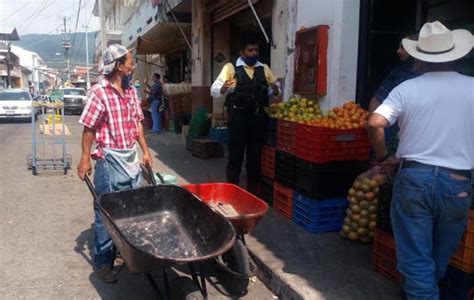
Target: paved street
x=45 y=225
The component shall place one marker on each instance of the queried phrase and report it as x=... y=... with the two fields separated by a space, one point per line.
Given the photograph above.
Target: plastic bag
x=360 y=222
x=199 y=125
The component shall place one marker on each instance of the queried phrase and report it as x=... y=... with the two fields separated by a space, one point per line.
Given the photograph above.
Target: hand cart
x=51 y=119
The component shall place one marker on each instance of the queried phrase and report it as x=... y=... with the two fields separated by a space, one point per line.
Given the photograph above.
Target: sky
x=46 y=16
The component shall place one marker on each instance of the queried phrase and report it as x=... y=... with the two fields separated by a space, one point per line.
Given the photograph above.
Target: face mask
x=137 y=85
x=126 y=81
x=250 y=61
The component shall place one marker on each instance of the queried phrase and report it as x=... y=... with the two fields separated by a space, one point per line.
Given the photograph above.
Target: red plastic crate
x=384 y=257
x=286 y=136
x=268 y=162
x=463 y=259
x=320 y=145
x=283 y=200
x=282 y=194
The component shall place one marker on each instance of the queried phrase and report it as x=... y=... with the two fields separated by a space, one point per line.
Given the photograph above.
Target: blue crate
x=319 y=216
x=320 y=205
x=219 y=134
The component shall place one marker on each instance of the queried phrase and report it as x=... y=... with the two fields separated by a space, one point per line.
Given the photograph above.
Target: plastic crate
x=456 y=284
x=384 y=257
x=272 y=129
x=189 y=143
x=219 y=134
x=286 y=136
x=283 y=199
x=268 y=162
x=319 y=216
x=205 y=148
x=463 y=258
x=265 y=190
x=320 y=145
x=383 y=207
x=285 y=168
x=328 y=180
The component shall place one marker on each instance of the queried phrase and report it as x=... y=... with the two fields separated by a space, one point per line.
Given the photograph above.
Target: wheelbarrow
x=244 y=211
x=157 y=227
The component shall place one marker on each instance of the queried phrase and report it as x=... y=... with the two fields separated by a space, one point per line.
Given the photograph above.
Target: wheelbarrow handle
x=153 y=180
x=90 y=185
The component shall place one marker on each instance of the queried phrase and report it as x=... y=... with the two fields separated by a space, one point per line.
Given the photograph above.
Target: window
x=9 y=96
x=74 y=92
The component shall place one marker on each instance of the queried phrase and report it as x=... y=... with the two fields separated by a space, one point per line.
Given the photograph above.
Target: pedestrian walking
x=155 y=98
x=112 y=118
x=247 y=86
x=432 y=189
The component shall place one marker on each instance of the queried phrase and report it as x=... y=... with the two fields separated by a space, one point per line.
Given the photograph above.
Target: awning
x=223 y=9
x=164 y=39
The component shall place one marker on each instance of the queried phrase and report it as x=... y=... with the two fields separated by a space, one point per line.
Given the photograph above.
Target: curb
x=273 y=281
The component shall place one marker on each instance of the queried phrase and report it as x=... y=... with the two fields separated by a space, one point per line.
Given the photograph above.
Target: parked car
x=15 y=104
x=74 y=99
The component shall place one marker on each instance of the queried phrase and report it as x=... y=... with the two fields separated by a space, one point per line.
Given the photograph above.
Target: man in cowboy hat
x=431 y=195
x=112 y=118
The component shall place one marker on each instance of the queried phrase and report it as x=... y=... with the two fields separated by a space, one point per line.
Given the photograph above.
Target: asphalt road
x=45 y=230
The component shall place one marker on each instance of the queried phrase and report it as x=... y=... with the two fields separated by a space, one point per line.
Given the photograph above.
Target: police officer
x=247 y=87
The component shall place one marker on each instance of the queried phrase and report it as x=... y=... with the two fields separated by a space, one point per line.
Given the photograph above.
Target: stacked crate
x=311 y=170
x=384 y=256
x=205 y=148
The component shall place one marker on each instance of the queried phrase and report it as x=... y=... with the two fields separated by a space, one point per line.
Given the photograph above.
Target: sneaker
x=105 y=275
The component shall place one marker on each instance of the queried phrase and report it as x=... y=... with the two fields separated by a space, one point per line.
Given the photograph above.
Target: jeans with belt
x=429 y=214
x=106 y=179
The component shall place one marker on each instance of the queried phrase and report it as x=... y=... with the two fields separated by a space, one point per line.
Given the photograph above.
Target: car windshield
x=74 y=92
x=7 y=95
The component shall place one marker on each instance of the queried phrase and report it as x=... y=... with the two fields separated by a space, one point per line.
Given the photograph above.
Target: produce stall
x=315 y=172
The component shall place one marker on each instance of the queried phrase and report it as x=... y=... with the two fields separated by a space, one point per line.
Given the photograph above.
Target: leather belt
x=414 y=164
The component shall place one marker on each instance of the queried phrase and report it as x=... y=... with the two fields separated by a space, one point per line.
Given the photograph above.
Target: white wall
x=342 y=16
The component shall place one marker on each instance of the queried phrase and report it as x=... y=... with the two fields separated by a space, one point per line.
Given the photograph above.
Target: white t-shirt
x=435 y=113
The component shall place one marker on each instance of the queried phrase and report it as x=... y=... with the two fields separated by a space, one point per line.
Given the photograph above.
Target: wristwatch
x=384 y=158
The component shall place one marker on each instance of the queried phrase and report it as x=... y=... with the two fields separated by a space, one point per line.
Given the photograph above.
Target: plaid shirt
x=113 y=117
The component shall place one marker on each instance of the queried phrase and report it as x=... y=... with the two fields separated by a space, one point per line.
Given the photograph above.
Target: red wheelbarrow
x=244 y=211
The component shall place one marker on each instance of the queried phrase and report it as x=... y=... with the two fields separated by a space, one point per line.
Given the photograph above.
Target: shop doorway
x=384 y=23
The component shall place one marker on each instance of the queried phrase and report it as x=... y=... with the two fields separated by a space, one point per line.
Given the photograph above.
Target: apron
x=123 y=168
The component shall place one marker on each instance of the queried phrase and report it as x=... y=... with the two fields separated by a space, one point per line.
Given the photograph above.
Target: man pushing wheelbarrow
x=112 y=118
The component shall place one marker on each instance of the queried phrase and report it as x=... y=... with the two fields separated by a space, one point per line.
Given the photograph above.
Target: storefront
x=383 y=24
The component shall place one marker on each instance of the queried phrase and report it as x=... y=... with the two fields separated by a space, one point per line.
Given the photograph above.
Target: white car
x=74 y=99
x=15 y=104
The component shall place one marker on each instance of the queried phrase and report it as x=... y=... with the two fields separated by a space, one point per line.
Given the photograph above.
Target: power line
x=15 y=11
x=77 y=21
x=83 y=37
x=36 y=14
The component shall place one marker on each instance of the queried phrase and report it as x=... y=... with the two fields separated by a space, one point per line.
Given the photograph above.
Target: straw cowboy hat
x=438 y=44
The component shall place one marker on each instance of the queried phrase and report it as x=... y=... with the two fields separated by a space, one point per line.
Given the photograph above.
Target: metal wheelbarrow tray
x=158 y=226
x=240 y=207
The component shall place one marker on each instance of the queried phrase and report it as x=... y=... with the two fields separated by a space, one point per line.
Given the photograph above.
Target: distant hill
x=47 y=45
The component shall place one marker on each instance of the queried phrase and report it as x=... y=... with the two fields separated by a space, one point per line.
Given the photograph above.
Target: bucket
x=168 y=178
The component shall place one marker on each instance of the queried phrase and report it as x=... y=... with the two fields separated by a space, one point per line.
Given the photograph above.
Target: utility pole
x=8 y=63
x=66 y=46
x=88 y=81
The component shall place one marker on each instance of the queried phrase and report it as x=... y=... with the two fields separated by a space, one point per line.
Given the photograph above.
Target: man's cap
x=111 y=54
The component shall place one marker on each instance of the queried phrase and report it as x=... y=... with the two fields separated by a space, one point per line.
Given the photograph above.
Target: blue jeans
x=429 y=214
x=106 y=180
x=156 y=116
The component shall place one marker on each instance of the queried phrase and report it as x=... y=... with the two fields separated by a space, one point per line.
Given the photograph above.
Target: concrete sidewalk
x=294 y=263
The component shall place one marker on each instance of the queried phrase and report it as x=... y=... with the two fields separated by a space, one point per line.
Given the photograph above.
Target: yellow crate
x=57 y=119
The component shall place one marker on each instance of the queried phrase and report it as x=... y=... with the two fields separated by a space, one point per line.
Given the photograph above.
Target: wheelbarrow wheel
x=237 y=259
x=184 y=288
